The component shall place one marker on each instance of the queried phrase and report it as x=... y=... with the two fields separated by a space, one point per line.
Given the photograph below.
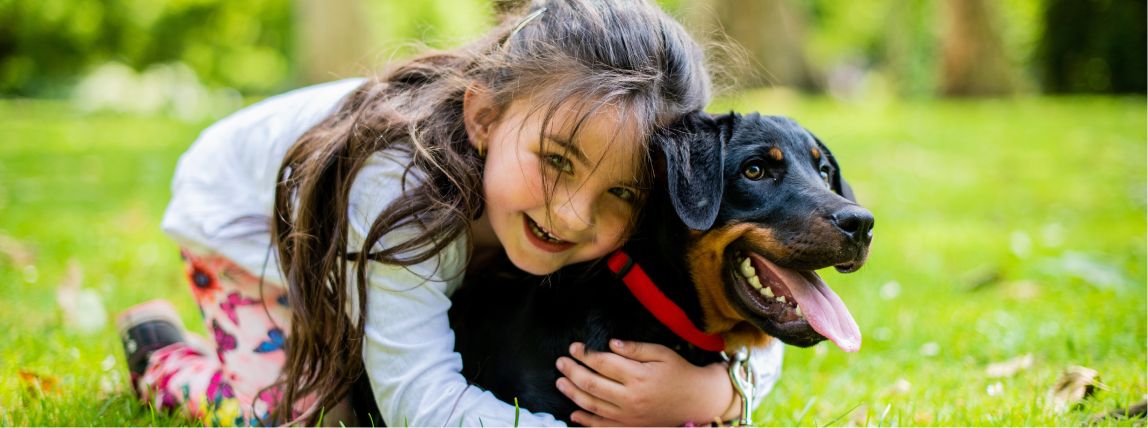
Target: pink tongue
x=825 y=311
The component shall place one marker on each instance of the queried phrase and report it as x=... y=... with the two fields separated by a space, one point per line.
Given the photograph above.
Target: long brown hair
x=622 y=53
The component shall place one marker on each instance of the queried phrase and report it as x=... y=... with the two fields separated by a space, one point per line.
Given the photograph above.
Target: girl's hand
x=644 y=384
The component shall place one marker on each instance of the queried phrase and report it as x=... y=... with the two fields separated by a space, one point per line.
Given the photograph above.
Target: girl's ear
x=478 y=114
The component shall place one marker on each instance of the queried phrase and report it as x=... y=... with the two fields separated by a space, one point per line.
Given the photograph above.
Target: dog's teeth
x=799 y=314
x=755 y=282
x=767 y=292
x=781 y=299
x=747 y=269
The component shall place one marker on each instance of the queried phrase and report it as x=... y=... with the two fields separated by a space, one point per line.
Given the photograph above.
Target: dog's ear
x=839 y=184
x=693 y=153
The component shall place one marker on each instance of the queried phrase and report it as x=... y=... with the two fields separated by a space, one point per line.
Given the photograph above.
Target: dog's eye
x=825 y=177
x=753 y=170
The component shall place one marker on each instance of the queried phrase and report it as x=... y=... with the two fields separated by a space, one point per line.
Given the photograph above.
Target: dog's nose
x=855 y=222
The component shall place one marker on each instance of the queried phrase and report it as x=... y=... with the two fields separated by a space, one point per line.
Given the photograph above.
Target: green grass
x=1004 y=228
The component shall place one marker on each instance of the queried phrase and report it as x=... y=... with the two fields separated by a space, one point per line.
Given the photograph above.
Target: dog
x=745 y=208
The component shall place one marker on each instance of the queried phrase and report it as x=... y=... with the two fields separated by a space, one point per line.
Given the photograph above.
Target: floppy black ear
x=693 y=151
x=839 y=185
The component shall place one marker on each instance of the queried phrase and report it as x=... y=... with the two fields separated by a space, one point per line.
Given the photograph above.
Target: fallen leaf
x=1138 y=410
x=1010 y=367
x=1075 y=384
x=38 y=384
x=16 y=251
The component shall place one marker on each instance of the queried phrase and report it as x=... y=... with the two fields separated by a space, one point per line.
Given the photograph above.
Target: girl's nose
x=575 y=214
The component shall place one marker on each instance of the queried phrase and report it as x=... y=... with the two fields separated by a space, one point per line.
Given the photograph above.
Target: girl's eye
x=753 y=170
x=624 y=193
x=561 y=163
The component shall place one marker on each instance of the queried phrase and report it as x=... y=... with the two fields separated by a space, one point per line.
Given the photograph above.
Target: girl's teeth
x=542 y=234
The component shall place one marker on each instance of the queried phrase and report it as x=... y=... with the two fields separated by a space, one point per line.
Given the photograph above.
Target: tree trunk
x=973 y=59
x=331 y=39
x=772 y=34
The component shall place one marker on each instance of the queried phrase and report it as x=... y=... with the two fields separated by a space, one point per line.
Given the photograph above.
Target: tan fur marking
x=706 y=256
x=816 y=154
x=775 y=153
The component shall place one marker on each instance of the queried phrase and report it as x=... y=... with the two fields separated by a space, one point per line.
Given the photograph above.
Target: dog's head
x=773 y=212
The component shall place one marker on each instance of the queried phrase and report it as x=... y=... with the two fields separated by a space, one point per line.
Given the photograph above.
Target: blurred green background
x=1000 y=144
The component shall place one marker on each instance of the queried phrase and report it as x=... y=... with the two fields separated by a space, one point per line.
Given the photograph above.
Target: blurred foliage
x=900 y=40
x=47 y=46
x=1107 y=56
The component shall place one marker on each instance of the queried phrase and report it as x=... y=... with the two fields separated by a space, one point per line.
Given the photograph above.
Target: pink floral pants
x=230 y=382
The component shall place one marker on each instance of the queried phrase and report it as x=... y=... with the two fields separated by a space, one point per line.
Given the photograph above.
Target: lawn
x=1005 y=229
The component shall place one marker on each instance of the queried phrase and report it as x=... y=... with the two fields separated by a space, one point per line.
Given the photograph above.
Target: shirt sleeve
x=409 y=347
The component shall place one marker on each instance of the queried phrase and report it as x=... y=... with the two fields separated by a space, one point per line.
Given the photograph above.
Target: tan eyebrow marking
x=816 y=154
x=775 y=153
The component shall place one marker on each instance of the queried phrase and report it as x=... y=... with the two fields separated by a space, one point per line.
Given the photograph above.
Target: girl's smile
x=543 y=239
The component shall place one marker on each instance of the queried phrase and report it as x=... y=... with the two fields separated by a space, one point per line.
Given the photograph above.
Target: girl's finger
x=590 y=381
x=588 y=419
x=585 y=400
x=616 y=367
x=641 y=351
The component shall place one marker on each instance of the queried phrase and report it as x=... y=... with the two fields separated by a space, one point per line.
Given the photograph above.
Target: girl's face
x=592 y=176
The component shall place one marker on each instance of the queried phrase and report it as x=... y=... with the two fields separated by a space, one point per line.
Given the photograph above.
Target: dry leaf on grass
x=1010 y=367
x=38 y=384
x=1074 y=385
x=16 y=251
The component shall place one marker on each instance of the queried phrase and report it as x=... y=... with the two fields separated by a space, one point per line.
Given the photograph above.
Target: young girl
x=324 y=230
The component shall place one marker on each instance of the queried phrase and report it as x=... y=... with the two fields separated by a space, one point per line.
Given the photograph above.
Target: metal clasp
x=741 y=375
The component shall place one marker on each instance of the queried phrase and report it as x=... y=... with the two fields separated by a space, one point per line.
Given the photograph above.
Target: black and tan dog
x=749 y=207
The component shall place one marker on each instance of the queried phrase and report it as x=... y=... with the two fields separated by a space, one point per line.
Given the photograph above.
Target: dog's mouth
x=794 y=306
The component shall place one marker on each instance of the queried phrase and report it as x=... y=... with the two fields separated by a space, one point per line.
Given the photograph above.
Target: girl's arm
x=649 y=384
x=408 y=347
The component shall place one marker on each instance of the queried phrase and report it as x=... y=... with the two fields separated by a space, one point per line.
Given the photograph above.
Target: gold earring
x=482 y=150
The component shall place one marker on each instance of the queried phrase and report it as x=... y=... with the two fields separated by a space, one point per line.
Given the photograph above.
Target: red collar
x=664 y=309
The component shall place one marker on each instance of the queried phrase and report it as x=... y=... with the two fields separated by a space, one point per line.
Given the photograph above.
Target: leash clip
x=741 y=375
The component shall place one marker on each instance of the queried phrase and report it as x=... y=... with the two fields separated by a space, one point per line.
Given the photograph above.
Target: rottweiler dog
x=745 y=208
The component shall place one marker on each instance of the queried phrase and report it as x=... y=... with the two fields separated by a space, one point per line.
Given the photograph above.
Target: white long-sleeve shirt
x=222 y=201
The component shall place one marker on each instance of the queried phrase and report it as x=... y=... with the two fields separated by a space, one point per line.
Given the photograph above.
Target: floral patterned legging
x=227 y=385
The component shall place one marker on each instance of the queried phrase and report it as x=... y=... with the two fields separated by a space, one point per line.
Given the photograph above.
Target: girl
x=324 y=229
